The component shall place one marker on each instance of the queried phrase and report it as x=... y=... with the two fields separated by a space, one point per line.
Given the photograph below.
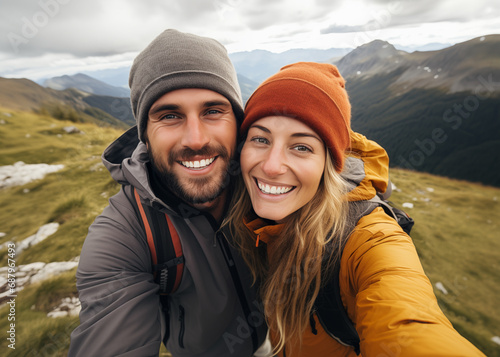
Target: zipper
x=182 y=327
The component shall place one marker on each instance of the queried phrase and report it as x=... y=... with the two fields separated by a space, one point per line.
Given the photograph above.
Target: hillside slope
x=71 y=104
x=456 y=231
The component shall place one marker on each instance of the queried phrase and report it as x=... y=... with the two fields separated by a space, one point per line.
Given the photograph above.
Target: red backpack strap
x=165 y=246
x=147 y=227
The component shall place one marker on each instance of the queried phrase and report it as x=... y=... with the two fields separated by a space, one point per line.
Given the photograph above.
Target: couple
x=258 y=244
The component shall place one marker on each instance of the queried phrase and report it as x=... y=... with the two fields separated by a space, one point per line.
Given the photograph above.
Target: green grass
x=72 y=197
x=456 y=231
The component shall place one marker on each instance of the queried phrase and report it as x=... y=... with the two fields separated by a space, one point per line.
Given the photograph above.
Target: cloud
x=82 y=30
x=342 y=29
x=404 y=13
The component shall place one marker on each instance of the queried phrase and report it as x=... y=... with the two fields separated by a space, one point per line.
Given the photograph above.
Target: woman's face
x=282 y=163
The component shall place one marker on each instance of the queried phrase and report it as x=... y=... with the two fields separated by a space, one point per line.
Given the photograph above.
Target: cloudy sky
x=46 y=38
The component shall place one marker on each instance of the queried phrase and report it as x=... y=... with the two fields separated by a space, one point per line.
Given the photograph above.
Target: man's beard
x=194 y=190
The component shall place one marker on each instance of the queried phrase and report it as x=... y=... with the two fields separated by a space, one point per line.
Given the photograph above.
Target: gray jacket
x=214 y=312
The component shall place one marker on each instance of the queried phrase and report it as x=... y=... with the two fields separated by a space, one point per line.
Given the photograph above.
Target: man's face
x=191 y=138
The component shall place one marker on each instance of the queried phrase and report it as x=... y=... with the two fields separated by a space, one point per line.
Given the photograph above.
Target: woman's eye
x=302 y=148
x=260 y=140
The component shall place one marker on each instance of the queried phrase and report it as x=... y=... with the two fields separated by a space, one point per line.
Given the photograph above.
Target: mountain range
x=434 y=111
x=86 y=84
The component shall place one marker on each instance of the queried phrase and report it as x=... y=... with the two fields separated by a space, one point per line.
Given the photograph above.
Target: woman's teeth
x=274 y=190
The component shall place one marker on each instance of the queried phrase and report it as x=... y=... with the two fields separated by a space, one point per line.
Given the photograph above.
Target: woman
x=296 y=214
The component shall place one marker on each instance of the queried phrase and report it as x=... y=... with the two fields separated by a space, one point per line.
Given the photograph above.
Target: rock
x=407 y=205
x=496 y=339
x=51 y=269
x=21 y=173
x=72 y=130
x=31 y=273
x=439 y=285
x=69 y=307
x=42 y=233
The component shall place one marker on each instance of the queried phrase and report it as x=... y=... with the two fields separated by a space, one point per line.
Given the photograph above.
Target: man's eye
x=213 y=111
x=168 y=116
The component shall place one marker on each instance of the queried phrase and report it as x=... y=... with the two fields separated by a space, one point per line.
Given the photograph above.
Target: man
x=179 y=159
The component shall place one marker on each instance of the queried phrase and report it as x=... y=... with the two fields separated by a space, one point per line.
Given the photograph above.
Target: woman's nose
x=274 y=162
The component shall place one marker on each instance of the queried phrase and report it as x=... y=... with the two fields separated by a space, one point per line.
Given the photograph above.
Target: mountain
x=372 y=58
x=257 y=65
x=87 y=84
x=247 y=87
x=454 y=69
x=71 y=104
x=437 y=111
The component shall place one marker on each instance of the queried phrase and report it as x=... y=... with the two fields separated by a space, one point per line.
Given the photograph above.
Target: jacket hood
x=366 y=169
x=126 y=159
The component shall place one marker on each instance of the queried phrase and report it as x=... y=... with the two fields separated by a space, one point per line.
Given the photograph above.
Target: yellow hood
x=366 y=169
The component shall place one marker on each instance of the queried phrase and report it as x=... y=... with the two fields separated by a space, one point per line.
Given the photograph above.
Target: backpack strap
x=328 y=306
x=164 y=245
x=332 y=314
x=403 y=219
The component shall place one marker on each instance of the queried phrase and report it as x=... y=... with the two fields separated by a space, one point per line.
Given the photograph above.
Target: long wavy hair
x=309 y=243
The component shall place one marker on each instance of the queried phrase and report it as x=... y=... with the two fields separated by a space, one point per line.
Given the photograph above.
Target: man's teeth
x=200 y=164
x=274 y=190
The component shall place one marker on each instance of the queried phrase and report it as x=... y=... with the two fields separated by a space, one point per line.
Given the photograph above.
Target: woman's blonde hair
x=291 y=279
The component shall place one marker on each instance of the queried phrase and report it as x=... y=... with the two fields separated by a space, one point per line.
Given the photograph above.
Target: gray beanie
x=176 y=60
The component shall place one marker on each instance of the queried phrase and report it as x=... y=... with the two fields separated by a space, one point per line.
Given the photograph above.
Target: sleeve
x=391 y=299
x=121 y=313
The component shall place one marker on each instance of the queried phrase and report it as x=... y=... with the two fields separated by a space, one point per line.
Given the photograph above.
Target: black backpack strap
x=165 y=246
x=328 y=306
x=403 y=219
x=332 y=314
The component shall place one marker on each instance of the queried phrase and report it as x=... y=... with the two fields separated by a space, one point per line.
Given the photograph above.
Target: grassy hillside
x=456 y=231
x=69 y=104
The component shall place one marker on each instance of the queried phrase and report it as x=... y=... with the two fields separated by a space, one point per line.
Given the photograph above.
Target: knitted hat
x=313 y=93
x=176 y=60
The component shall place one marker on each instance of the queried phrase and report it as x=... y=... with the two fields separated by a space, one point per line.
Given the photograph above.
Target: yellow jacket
x=383 y=287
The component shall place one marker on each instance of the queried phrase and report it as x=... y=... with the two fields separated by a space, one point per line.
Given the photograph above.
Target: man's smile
x=198 y=164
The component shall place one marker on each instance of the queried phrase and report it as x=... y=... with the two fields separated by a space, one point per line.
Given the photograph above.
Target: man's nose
x=195 y=135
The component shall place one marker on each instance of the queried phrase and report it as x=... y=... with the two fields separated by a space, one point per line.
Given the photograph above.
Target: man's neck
x=216 y=207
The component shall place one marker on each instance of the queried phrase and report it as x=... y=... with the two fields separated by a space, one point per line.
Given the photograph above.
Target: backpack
x=328 y=305
x=166 y=253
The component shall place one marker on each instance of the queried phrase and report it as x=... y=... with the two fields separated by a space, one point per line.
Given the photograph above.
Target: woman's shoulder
x=376 y=225
x=375 y=235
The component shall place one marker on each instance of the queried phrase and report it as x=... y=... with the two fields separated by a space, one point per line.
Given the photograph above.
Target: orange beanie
x=313 y=93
